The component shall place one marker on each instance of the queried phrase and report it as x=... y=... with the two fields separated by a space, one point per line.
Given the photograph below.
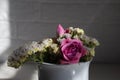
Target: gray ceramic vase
x=79 y=71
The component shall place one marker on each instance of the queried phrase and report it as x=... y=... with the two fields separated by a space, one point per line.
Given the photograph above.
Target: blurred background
x=27 y=20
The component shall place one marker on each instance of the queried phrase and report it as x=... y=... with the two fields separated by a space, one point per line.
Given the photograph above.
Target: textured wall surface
x=26 y=20
x=38 y=19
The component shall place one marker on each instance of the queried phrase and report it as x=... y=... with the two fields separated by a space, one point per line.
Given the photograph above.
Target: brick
x=34 y=30
x=108 y=35
x=80 y=1
x=80 y=13
x=69 y=13
x=4 y=10
x=7 y=29
x=24 y=10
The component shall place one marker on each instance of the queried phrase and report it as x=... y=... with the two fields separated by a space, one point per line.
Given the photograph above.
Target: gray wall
x=37 y=19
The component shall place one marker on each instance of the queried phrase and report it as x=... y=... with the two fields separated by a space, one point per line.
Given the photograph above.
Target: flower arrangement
x=70 y=46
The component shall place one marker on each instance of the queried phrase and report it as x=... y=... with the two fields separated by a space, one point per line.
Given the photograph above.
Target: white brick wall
x=4 y=27
x=26 y=20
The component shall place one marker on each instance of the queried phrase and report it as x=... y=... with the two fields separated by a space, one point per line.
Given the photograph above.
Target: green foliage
x=36 y=57
x=88 y=41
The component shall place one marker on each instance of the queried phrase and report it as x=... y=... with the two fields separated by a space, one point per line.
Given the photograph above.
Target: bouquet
x=70 y=46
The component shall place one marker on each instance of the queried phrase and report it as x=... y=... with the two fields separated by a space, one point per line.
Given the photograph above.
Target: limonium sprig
x=70 y=46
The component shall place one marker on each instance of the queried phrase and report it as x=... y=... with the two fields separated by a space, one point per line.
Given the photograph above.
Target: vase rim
x=50 y=64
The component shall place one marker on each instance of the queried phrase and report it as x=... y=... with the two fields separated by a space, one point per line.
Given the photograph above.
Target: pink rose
x=72 y=50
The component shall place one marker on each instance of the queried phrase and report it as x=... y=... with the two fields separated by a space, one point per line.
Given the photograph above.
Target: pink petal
x=65 y=41
x=84 y=51
x=60 y=30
